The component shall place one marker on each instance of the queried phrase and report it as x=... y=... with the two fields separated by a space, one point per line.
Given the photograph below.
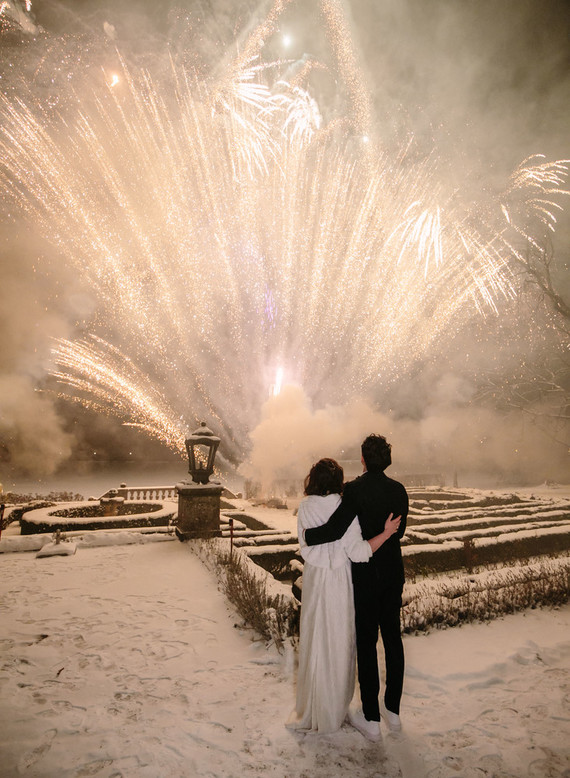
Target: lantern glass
x=202 y=446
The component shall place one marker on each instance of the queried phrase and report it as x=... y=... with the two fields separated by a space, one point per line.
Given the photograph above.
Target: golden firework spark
x=228 y=233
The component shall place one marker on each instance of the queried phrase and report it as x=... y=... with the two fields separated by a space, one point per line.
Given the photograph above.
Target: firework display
x=229 y=235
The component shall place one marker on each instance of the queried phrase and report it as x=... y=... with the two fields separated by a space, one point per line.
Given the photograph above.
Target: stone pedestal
x=198 y=510
x=111 y=505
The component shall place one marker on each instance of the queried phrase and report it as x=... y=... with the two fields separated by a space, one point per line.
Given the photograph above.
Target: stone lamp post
x=199 y=499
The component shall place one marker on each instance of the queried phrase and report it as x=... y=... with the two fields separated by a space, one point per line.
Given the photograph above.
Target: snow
x=49 y=515
x=57 y=549
x=124 y=659
x=85 y=539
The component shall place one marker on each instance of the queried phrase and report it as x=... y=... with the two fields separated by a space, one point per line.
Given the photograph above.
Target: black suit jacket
x=372 y=497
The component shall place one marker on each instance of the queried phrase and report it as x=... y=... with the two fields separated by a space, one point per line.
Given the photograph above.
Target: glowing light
x=278 y=381
x=287 y=41
x=221 y=224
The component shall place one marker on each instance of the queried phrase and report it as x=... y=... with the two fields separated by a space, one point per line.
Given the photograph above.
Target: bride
x=327 y=647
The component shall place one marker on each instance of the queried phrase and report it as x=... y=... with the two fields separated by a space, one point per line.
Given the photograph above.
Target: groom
x=378 y=583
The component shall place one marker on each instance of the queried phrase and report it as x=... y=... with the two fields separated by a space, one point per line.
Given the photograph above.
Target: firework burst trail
x=226 y=234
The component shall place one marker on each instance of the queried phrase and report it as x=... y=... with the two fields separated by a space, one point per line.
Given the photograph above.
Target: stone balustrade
x=143 y=493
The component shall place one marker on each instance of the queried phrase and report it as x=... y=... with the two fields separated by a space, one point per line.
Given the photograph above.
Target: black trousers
x=378 y=607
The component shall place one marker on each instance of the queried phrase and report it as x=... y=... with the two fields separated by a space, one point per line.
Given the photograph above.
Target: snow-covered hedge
x=449 y=600
x=470 y=552
x=89 y=539
x=84 y=516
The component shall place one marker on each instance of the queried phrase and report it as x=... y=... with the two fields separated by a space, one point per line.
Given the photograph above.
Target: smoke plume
x=452 y=438
x=488 y=82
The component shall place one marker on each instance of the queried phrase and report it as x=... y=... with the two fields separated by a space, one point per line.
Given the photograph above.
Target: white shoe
x=391 y=719
x=370 y=729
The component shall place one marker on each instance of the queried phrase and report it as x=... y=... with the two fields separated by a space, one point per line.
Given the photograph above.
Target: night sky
x=486 y=83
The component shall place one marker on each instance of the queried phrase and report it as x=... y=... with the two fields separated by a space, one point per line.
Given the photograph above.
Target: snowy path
x=492 y=699
x=124 y=661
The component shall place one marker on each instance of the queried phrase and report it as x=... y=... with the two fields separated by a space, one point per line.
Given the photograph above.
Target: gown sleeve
x=357 y=549
x=309 y=553
x=336 y=526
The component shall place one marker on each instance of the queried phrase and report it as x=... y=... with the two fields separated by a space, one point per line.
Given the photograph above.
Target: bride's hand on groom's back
x=392 y=524
x=390 y=528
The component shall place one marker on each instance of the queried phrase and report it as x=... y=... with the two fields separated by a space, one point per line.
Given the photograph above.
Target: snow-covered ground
x=124 y=660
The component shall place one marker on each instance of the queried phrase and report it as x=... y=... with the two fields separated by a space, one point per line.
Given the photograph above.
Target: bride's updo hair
x=325 y=477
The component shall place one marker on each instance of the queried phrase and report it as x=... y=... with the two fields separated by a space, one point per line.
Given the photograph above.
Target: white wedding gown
x=327 y=649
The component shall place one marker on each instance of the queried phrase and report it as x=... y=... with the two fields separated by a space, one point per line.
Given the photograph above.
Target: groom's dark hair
x=376 y=452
